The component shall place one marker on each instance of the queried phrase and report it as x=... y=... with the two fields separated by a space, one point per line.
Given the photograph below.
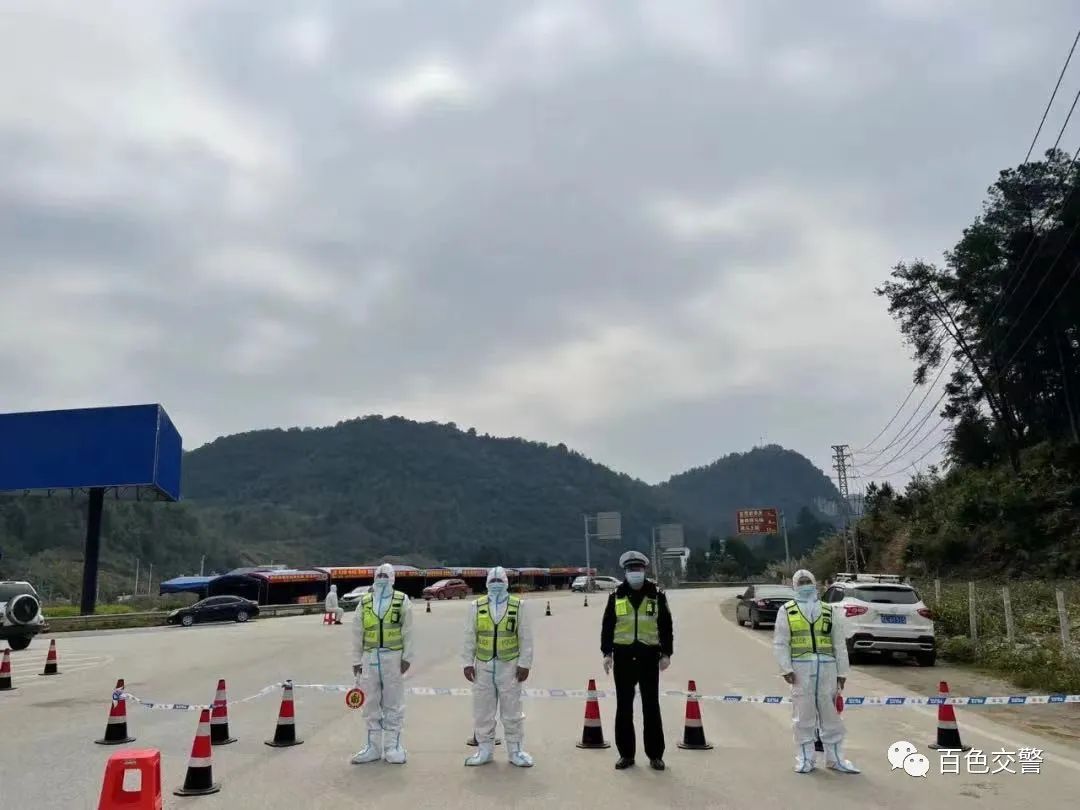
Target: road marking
x=975 y=727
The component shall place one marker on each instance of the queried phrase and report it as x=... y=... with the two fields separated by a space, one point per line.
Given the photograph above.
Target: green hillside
x=375 y=488
x=765 y=476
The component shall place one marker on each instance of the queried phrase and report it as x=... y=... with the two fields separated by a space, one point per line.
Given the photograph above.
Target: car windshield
x=773 y=592
x=885 y=594
x=442 y=582
x=9 y=590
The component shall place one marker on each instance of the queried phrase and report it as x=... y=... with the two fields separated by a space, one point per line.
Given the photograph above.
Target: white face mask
x=496 y=590
x=382 y=586
x=635 y=578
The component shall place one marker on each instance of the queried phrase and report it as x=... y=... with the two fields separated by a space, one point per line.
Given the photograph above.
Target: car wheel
x=19 y=642
x=927 y=659
x=754 y=623
x=188 y=620
x=241 y=615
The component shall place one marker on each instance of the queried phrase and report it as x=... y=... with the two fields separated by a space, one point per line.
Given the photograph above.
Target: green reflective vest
x=807 y=638
x=636 y=625
x=497 y=639
x=384 y=632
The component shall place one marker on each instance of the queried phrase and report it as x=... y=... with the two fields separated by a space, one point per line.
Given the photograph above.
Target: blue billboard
x=133 y=449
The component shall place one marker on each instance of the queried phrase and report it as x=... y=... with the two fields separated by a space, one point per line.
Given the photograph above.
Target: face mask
x=635 y=578
x=806 y=592
x=496 y=590
x=382 y=586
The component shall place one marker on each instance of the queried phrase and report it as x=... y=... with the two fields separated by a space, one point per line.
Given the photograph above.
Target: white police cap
x=633 y=557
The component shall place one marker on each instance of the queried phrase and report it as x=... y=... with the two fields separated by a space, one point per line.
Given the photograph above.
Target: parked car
x=215 y=609
x=448 y=589
x=20 y=614
x=882 y=615
x=758 y=604
x=350 y=600
x=598 y=584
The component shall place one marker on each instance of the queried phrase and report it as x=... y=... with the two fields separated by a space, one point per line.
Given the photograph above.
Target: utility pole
x=202 y=564
x=841 y=459
x=136 y=577
x=787 y=550
x=150 y=580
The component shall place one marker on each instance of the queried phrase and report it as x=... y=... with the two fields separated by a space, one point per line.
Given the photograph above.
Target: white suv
x=881 y=614
x=20 y=614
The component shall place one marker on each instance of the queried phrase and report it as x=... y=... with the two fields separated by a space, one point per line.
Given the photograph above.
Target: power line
x=1053 y=95
x=916 y=461
x=1046 y=312
x=901 y=434
x=925 y=419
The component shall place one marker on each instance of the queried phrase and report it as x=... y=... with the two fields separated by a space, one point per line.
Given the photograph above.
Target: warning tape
x=584 y=694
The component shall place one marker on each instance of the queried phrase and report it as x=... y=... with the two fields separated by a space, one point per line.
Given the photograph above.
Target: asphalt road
x=47 y=727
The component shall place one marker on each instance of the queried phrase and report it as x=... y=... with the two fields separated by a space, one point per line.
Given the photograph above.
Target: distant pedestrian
x=332 y=606
x=636 y=641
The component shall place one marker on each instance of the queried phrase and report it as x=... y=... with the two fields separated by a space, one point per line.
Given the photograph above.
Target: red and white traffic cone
x=5 y=673
x=51 y=660
x=948 y=734
x=285 y=732
x=219 y=718
x=199 y=780
x=693 y=732
x=592 y=735
x=116 y=731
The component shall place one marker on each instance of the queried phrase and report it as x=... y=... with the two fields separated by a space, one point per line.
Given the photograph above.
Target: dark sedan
x=216 y=609
x=758 y=605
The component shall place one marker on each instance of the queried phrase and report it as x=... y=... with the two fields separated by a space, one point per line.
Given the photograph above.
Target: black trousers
x=639 y=666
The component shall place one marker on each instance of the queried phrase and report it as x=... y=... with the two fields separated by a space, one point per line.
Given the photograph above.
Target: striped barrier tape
x=584 y=694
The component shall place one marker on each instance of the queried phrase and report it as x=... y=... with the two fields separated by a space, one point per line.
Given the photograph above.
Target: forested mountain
x=374 y=487
x=995 y=332
x=765 y=476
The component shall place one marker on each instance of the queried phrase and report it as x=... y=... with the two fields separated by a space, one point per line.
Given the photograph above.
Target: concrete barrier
x=115 y=621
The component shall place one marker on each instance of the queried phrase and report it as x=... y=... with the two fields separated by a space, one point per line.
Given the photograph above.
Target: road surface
x=47 y=727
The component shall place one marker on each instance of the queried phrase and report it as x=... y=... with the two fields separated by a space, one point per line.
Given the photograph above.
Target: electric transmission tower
x=841 y=461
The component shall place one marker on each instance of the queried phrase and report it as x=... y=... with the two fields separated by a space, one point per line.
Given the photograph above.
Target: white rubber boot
x=517 y=757
x=371 y=752
x=804 y=758
x=485 y=753
x=834 y=759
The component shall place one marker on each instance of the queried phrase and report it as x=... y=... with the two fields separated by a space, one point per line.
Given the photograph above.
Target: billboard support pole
x=588 y=574
x=655 y=561
x=92 y=552
x=787 y=551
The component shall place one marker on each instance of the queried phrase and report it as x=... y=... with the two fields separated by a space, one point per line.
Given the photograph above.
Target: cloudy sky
x=648 y=229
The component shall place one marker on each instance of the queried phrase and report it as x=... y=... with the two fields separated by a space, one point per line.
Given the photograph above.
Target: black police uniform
x=638 y=665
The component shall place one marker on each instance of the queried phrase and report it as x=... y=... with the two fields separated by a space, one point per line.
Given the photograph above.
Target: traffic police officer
x=636 y=639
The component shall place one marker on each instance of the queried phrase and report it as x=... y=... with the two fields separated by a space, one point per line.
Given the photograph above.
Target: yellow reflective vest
x=383 y=632
x=497 y=639
x=636 y=625
x=808 y=638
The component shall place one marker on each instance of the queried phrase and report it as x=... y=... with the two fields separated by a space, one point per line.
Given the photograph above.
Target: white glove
x=607 y=664
x=665 y=662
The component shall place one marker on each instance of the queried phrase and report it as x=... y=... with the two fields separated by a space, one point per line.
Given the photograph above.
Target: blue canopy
x=185 y=585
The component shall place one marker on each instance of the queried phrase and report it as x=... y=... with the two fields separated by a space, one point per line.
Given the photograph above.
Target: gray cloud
x=650 y=231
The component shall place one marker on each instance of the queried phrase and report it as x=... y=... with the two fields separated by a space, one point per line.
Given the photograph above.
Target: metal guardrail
x=156 y=618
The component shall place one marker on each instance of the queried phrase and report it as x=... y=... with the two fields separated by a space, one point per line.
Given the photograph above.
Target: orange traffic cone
x=948 y=735
x=199 y=780
x=219 y=718
x=285 y=732
x=592 y=735
x=51 y=661
x=116 y=731
x=115 y=796
x=693 y=732
x=5 y=673
x=548 y=611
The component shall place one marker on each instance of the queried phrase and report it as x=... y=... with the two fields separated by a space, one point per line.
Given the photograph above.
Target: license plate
x=894 y=619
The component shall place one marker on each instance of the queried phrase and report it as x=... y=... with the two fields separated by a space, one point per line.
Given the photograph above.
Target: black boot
x=656 y=764
x=623 y=763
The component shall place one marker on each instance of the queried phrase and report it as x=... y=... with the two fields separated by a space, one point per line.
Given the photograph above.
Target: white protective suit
x=496 y=687
x=813 y=694
x=332 y=605
x=381 y=679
